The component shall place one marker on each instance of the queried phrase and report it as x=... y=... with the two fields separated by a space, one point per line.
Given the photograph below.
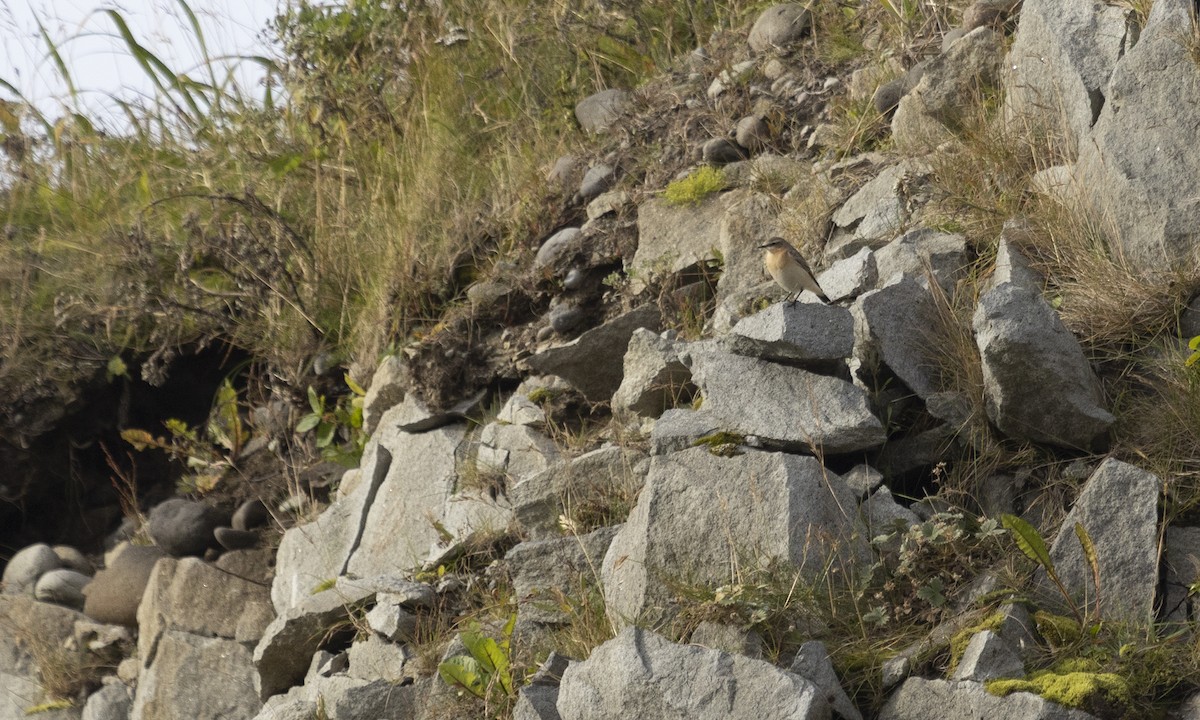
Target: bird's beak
x=764 y=247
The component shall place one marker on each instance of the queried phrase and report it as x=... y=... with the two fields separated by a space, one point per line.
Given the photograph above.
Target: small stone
x=64 y=587
x=24 y=569
x=752 y=133
x=250 y=514
x=597 y=112
x=565 y=317
x=72 y=559
x=779 y=26
x=183 y=527
x=556 y=246
x=231 y=539
x=574 y=279
x=721 y=151
x=599 y=178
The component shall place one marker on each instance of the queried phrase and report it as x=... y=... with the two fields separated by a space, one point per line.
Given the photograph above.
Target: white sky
x=98 y=59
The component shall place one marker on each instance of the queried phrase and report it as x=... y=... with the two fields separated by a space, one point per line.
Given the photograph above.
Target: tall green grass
x=340 y=214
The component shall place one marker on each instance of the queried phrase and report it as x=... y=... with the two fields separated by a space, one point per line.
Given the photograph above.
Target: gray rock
x=196 y=677
x=654 y=378
x=737 y=74
x=21 y=692
x=944 y=254
x=24 y=568
x=191 y=596
x=546 y=571
x=779 y=26
x=598 y=179
x=231 y=539
x=888 y=95
x=399 y=529
x=593 y=362
x=557 y=246
x=1132 y=164
x=952 y=36
x=681 y=429
x=251 y=514
x=850 y=277
x=596 y=113
x=567 y=173
x=574 y=279
x=1119 y=510
x=640 y=674
x=894 y=327
x=672 y=238
x=752 y=133
x=388 y=388
x=862 y=480
x=392 y=621
x=783 y=406
x=988 y=657
x=873 y=215
x=970 y=67
x=515 y=451
x=988 y=13
x=62 y=586
x=794 y=511
x=721 y=151
x=537 y=702
x=812 y=663
x=487 y=293
x=377 y=659
x=1181 y=568
x=72 y=559
x=883 y=514
x=282 y=655
x=1056 y=182
x=412 y=415
x=611 y=202
x=808 y=334
x=1011 y=264
x=1037 y=383
x=731 y=639
x=921 y=699
x=1058 y=69
x=111 y=702
x=183 y=527
x=520 y=410
x=114 y=594
x=589 y=483
x=565 y=317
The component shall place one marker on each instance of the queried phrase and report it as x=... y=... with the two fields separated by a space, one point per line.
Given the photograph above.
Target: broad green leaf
x=1028 y=540
x=325 y=432
x=316 y=402
x=308 y=422
x=355 y=387
x=464 y=672
x=140 y=439
x=1194 y=343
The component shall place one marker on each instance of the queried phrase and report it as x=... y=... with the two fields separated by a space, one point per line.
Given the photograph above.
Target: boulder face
x=1132 y=170
x=1119 y=510
x=1058 y=69
x=768 y=506
x=641 y=674
x=1037 y=383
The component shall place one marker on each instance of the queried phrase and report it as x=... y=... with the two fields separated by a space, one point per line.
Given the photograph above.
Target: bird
x=787 y=268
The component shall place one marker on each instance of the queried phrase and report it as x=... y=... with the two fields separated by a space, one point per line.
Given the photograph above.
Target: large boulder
x=699 y=515
x=779 y=26
x=1057 y=71
x=196 y=677
x=895 y=327
x=114 y=595
x=809 y=334
x=1135 y=166
x=970 y=68
x=1119 y=510
x=1037 y=383
x=581 y=486
x=921 y=699
x=785 y=407
x=544 y=572
x=593 y=362
x=654 y=379
x=641 y=674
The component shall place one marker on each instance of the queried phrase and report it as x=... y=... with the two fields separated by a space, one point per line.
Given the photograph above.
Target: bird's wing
x=799 y=258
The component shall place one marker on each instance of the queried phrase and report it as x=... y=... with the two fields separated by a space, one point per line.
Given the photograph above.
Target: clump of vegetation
x=698 y=185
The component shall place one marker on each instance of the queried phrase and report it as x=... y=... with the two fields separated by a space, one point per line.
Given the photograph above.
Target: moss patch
x=722 y=443
x=1084 y=690
x=958 y=643
x=696 y=186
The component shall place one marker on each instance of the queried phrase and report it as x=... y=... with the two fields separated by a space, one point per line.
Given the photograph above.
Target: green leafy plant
x=1030 y=542
x=1194 y=346
x=486 y=671
x=699 y=184
x=346 y=416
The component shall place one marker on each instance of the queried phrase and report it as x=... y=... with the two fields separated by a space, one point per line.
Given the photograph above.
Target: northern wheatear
x=788 y=268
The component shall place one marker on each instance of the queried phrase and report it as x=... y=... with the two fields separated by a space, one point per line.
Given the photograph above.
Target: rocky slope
x=734 y=506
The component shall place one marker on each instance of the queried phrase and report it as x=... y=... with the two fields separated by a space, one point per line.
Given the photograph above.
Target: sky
x=98 y=59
